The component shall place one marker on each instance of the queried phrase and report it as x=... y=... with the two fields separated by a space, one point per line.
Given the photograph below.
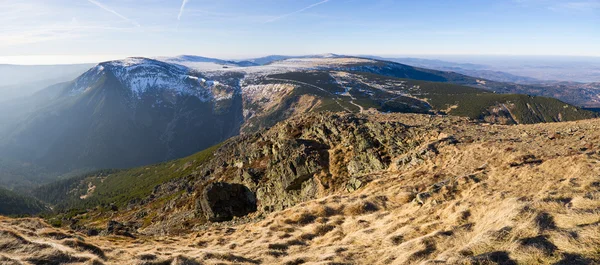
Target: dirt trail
x=359 y=106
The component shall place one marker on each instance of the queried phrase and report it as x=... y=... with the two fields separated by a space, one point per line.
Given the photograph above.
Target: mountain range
x=140 y=111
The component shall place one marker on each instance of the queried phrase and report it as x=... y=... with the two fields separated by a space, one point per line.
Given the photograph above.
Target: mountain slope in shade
x=13 y=203
x=127 y=113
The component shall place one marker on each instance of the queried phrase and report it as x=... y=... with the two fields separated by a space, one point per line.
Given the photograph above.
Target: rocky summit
x=341 y=188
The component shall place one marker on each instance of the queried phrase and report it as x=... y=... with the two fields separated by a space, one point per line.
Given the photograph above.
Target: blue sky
x=60 y=31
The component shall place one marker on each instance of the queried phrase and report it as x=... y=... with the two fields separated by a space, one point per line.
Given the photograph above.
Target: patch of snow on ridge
x=208 y=65
x=321 y=62
x=199 y=63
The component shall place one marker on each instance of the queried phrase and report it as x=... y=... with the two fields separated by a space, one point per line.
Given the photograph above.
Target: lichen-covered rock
x=353 y=184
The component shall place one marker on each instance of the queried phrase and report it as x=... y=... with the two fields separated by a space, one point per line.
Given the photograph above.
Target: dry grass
x=360 y=208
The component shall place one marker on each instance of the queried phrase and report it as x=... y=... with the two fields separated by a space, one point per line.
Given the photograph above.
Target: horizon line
x=43 y=60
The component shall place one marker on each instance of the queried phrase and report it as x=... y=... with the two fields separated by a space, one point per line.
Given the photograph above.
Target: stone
x=222 y=201
x=115 y=228
x=422 y=197
x=92 y=232
x=353 y=184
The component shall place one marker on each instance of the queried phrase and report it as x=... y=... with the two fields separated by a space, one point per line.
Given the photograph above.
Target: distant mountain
x=20 y=74
x=362 y=91
x=273 y=58
x=579 y=94
x=269 y=59
x=126 y=113
x=204 y=62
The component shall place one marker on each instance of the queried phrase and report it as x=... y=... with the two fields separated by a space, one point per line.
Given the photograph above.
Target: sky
x=77 y=31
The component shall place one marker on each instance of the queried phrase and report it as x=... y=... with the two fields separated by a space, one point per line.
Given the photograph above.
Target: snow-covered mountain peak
x=141 y=75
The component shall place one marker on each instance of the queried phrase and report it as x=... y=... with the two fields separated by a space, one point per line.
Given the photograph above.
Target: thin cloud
x=297 y=11
x=563 y=5
x=107 y=9
x=182 y=9
x=578 y=6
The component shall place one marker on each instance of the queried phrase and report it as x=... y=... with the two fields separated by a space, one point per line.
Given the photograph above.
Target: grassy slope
x=119 y=187
x=542 y=109
x=329 y=102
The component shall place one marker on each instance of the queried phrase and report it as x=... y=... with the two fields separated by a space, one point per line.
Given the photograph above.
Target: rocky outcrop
x=119 y=229
x=518 y=196
x=309 y=156
x=295 y=161
x=301 y=159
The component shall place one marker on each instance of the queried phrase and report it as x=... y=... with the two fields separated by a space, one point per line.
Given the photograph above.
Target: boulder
x=353 y=184
x=222 y=201
x=115 y=228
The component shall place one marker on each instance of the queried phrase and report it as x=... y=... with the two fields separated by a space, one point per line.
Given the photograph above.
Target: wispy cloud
x=107 y=9
x=60 y=31
x=297 y=11
x=564 y=5
x=577 y=5
x=182 y=9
